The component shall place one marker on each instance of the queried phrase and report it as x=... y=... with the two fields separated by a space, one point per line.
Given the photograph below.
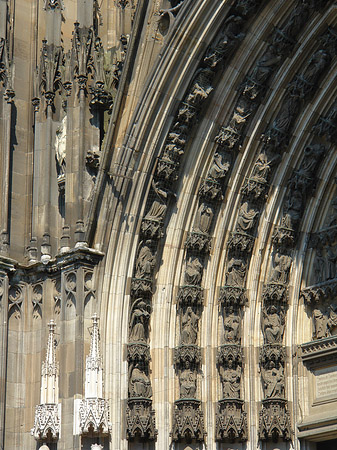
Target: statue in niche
x=176 y=141
x=204 y=218
x=295 y=22
x=139 y=320
x=319 y=267
x=201 y=87
x=236 y=272
x=189 y=327
x=332 y=220
x=320 y=324
x=246 y=218
x=261 y=72
x=158 y=208
x=284 y=120
x=60 y=148
x=193 y=271
x=331 y=259
x=230 y=380
x=280 y=272
x=316 y=65
x=219 y=167
x=145 y=262
x=188 y=382
x=262 y=168
x=273 y=325
x=241 y=114
x=273 y=381
x=139 y=383
x=325 y=321
x=293 y=208
x=231 y=326
x=231 y=33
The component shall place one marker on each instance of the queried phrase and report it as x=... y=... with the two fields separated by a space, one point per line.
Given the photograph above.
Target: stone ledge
x=322 y=350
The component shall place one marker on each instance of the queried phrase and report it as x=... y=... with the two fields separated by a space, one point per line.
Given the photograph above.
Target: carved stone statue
x=231 y=326
x=273 y=380
x=201 y=88
x=139 y=321
x=331 y=259
x=280 y=272
x=189 y=327
x=262 y=168
x=219 y=167
x=188 y=382
x=60 y=147
x=236 y=272
x=273 y=326
x=319 y=267
x=246 y=218
x=145 y=262
x=139 y=383
x=193 y=271
x=204 y=218
x=158 y=207
x=230 y=379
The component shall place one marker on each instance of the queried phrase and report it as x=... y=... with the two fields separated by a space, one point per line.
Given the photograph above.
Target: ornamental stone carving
x=189 y=327
x=47 y=422
x=140 y=419
x=94 y=416
x=188 y=421
x=274 y=421
x=236 y=272
x=139 y=382
x=231 y=421
x=139 y=320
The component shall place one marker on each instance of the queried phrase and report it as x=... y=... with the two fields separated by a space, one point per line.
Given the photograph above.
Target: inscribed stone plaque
x=326 y=382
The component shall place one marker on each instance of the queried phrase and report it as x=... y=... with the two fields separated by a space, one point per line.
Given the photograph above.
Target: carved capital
x=140 y=419
x=231 y=421
x=227 y=352
x=140 y=286
x=275 y=292
x=274 y=421
x=322 y=292
x=188 y=421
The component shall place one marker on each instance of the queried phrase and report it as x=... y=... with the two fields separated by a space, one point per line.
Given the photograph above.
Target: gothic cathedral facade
x=168 y=225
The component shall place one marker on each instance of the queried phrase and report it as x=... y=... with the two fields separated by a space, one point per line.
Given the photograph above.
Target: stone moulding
x=47 y=421
x=274 y=420
x=315 y=353
x=140 y=419
x=188 y=421
x=94 y=416
x=231 y=421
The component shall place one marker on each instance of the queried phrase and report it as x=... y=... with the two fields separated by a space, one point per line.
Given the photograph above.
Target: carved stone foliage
x=231 y=421
x=94 y=416
x=274 y=421
x=15 y=299
x=188 y=421
x=37 y=297
x=140 y=419
x=47 y=422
